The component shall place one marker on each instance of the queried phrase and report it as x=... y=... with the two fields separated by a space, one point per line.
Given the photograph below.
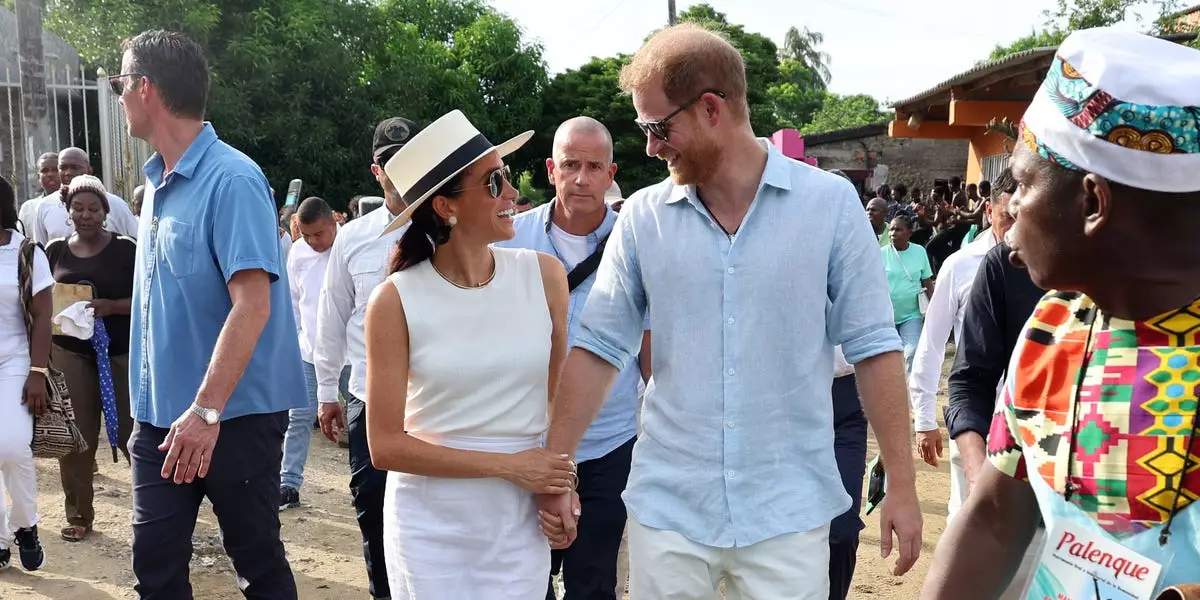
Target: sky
x=890 y=49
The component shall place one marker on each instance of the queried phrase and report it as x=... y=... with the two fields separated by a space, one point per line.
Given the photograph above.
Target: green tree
x=1071 y=15
x=795 y=98
x=300 y=84
x=843 y=112
x=801 y=46
x=761 y=56
x=592 y=90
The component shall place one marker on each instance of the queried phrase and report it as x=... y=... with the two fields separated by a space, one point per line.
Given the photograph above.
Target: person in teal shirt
x=909 y=275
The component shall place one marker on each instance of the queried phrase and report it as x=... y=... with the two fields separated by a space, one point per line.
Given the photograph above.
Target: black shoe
x=32 y=555
x=5 y=559
x=288 y=498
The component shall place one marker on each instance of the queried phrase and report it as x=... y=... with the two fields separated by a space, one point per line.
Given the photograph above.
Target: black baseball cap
x=391 y=134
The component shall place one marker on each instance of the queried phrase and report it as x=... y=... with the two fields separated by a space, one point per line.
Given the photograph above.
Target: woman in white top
x=22 y=384
x=464 y=345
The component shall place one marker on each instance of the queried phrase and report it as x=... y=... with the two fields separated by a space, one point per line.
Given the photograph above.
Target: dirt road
x=323 y=543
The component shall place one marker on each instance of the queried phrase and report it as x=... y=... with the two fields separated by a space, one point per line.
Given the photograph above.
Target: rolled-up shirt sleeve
x=121 y=217
x=982 y=355
x=931 y=351
x=615 y=314
x=858 y=314
x=244 y=236
x=334 y=308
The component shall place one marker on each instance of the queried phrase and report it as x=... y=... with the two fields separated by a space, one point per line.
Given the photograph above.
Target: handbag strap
x=902 y=265
x=25 y=283
x=586 y=267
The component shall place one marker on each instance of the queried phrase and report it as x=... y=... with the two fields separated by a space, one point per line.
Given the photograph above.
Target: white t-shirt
x=573 y=248
x=52 y=221
x=306 y=274
x=13 y=338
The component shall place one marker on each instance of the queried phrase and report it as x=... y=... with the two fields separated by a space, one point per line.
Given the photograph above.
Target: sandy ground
x=323 y=543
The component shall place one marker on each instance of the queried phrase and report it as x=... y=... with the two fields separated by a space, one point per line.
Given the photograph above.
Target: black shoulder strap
x=586 y=267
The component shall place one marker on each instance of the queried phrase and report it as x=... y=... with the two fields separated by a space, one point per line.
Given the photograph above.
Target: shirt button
x=731 y=320
x=731 y=424
x=730 y=371
x=731 y=269
x=730 y=474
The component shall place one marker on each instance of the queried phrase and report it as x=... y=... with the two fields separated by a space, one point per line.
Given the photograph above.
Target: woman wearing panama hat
x=464 y=344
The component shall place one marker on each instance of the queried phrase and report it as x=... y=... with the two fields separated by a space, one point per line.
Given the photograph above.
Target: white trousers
x=958 y=496
x=665 y=565
x=18 y=476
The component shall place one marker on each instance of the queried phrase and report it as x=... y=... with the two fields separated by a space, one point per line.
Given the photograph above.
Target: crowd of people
x=525 y=390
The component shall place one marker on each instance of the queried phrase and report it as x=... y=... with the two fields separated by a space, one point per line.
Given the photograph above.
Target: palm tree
x=801 y=46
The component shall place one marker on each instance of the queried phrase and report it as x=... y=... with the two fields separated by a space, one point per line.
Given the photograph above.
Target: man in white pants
x=735 y=473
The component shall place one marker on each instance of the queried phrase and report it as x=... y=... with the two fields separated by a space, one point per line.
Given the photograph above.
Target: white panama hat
x=435 y=155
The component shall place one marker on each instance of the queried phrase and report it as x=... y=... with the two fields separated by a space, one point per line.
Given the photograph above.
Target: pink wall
x=792 y=145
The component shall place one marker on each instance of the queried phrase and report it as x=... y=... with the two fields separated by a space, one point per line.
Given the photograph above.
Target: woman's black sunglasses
x=659 y=128
x=495 y=182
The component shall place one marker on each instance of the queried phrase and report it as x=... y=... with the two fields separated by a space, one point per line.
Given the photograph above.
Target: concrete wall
x=913 y=162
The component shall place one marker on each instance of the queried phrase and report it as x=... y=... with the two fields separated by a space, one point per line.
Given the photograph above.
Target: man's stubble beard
x=698 y=166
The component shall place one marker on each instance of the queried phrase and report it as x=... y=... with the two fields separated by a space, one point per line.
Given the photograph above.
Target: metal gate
x=83 y=112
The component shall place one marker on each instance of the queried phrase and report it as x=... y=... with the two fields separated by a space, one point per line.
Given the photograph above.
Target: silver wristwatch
x=211 y=416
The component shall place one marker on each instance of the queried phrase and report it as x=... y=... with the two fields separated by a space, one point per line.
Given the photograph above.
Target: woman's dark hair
x=908 y=224
x=8 y=205
x=427 y=230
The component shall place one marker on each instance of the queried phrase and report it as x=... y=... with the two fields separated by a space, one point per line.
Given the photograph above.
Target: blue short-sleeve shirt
x=211 y=217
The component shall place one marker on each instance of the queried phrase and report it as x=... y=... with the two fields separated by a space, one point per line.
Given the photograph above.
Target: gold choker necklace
x=467 y=287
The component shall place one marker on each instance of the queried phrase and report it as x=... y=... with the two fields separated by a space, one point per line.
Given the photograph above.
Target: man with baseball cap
x=1096 y=431
x=358 y=263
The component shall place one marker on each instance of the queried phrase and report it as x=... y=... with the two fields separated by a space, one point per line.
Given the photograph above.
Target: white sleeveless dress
x=478 y=380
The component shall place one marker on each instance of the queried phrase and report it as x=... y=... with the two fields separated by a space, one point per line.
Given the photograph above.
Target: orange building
x=984 y=106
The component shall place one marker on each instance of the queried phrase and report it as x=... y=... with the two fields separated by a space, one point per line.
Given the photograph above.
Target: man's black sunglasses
x=659 y=128
x=117 y=82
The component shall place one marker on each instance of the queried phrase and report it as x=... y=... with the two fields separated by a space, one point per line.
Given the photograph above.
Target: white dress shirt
x=946 y=310
x=306 y=274
x=358 y=262
x=52 y=221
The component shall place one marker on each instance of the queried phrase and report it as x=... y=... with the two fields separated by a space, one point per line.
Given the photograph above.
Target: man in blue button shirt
x=573 y=226
x=751 y=267
x=214 y=360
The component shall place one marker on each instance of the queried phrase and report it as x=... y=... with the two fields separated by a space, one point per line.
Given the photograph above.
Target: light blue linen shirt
x=617 y=421
x=209 y=218
x=737 y=439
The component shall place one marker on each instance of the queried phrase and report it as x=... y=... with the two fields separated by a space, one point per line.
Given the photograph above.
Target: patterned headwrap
x=1122 y=105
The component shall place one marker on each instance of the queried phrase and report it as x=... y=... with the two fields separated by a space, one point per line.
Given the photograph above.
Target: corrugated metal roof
x=990 y=67
x=979 y=71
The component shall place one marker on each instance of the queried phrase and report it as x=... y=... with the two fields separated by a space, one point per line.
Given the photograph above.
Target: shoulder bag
x=55 y=434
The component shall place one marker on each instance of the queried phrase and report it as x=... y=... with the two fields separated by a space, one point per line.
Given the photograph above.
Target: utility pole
x=671 y=12
x=35 y=126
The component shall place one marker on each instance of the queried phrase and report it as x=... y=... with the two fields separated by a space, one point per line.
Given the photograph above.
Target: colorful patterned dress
x=1129 y=421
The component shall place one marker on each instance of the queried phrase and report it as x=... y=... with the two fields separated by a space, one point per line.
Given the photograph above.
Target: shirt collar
x=155 y=167
x=777 y=174
x=606 y=226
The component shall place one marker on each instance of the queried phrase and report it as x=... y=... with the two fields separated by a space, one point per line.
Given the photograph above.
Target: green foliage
x=758 y=52
x=844 y=112
x=591 y=90
x=526 y=188
x=801 y=47
x=300 y=84
x=1071 y=15
x=795 y=99
x=1035 y=39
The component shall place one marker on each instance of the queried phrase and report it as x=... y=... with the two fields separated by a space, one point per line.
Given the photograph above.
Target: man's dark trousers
x=589 y=566
x=367 y=486
x=243 y=486
x=850 y=449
